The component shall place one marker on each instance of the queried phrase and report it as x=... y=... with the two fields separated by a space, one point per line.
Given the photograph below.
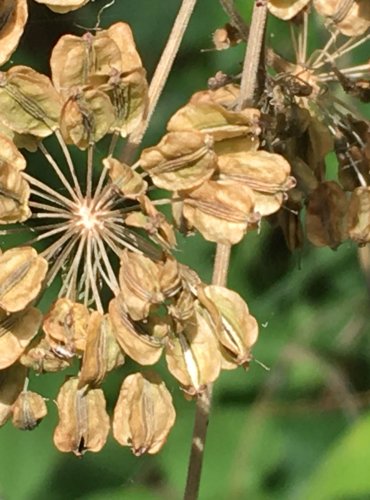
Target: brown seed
x=144 y=413
x=28 y=411
x=83 y=420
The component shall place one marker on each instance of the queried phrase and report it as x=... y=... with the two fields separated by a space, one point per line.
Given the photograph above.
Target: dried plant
x=248 y=148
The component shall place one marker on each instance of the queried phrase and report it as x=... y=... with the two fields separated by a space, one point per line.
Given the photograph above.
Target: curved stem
x=160 y=75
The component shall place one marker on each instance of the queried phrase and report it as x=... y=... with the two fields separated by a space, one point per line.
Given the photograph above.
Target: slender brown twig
x=222 y=259
x=160 y=76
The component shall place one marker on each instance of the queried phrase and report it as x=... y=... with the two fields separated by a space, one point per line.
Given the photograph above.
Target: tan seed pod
x=239 y=329
x=326 y=223
x=102 y=353
x=182 y=160
x=286 y=9
x=221 y=211
x=142 y=347
x=22 y=273
x=351 y=17
x=9 y=154
x=193 y=355
x=12 y=381
x=16 y=332
x=13 y=17
x=14 y=195
x=41 y=357
x=28 y=411
x=205 y=114
x=29 y=104
x=267 y=174
x=127 y=181
x=86 y=118
x=65 y=326
x=144 y=413
x=226 y=37
x=63 y=6
x=78 y=61
x=140 y=284
x=83 y=420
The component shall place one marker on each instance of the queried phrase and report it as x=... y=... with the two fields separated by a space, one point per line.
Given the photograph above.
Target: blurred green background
x=298 y=431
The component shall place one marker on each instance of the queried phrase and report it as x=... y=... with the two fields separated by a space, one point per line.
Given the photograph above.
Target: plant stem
x=204 y=401
x=253 y=55
x=160 y=75
x=222 y=258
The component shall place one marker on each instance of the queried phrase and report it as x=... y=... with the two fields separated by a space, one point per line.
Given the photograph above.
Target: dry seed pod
x=144 y=413
x=193 y=355
x=286 y=9
x=291 y=225
x=63 y=6
x=14 y=195
x=86 y=118
x=29 y=103
x=9 y=154
x=40 y=357
x=267 y=174
x=239 y=330
x=22 y=273
x=78 y=61
x=182 y=160
x=11 y=385
x=140 y=284
x=83 y=420
x=135 y=341
x=13 y=17
x=221 y=212
x=16 y=332
x=65 y=326
x=205 y=114
x=102 y=353
x=153 y=222
x=129 y=182
x=359 y=216
x=129 y=96
x=351 y=17
x=28 y=411
x=326 y=215
x=226 y=37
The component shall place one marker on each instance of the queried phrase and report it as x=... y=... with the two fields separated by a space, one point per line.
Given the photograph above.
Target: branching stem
x=222 y=258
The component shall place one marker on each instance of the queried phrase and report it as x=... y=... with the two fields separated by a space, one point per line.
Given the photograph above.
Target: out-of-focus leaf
x=344 y=471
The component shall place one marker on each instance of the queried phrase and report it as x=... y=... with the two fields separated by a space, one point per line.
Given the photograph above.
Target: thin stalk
x=221 y=264
x=69 y=161
x=160 y=75
x=253 y=55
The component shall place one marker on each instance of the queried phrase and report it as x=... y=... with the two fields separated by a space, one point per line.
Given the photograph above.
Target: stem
x=222 y=258
x=253 y=55
x=204 y=401
x=160 y=75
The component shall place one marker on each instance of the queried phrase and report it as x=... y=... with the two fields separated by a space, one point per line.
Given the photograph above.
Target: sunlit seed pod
x=13 y=17
x=181 y=160
x=16 y=332
x=28 y=411
x=102 y=353
x=286 y=9
x=83 y=421
x=144 y=413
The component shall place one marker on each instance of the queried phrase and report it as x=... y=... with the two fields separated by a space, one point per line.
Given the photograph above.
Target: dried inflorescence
x=92 y=233
x=107 y=250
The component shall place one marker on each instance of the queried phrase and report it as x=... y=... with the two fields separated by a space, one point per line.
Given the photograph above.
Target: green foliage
x=291 y=432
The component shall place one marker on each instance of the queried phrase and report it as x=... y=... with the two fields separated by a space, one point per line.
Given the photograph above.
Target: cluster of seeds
x=95 y=237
